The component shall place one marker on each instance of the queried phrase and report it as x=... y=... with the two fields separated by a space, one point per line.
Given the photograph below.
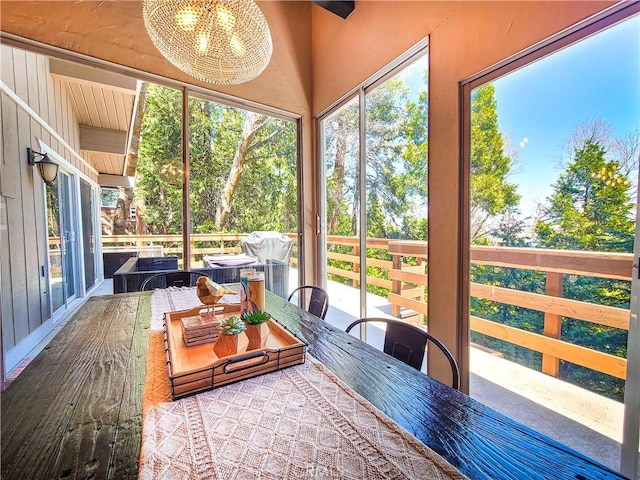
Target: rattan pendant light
x=224 y=42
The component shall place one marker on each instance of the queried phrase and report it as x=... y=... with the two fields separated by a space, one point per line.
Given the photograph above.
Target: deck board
x=73 y=405
x=124 y=463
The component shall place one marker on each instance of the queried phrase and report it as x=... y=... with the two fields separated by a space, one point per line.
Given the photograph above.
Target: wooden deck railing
x=201 y=244
x=407 y=283
x=402 y=272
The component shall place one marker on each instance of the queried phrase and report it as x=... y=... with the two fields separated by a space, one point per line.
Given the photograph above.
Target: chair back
x=180 y=278
x=318 y=303
x=408 y=343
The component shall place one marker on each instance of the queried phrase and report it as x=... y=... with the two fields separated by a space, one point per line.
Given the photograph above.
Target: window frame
x=565 y=38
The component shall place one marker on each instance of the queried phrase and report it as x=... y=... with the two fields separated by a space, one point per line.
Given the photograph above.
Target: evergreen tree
x=491 y=193
x=591 y=209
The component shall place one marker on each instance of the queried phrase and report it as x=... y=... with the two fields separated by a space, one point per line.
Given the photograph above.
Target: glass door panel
x=56 y=285
x=396 y=194
x=629 y=464
x=62 y=241
x=341 y=133
x=88 y=230
x=553 y=176
x=374 y=150
x=152 y=213
x=243 y=179
x=68 y=240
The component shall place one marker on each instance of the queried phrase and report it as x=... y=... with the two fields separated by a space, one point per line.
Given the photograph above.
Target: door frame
x=590 y=26
x=631 y=422
x=419 y=49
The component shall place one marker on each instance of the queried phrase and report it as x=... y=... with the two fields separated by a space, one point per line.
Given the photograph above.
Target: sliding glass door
x=243 y=169
x=374 y=151
x=87 y=207
x=62 y=241
x=551 y=166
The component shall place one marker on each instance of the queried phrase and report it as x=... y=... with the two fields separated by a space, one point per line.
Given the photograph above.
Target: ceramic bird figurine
x=210 y=292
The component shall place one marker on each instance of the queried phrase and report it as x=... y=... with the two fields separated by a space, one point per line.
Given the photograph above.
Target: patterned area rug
x=300 y=422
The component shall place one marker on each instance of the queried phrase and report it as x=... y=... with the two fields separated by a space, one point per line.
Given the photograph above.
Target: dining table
x=77 y=410
x=477 y=440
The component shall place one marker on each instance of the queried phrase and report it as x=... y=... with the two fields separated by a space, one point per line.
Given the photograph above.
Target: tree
x=247 y=143
x=341 y=154
x=591 y=209
x=121 y=217
x=395 y=165
x=242 y=167
x=491 y=193
x=590 y=206
x=625 y=149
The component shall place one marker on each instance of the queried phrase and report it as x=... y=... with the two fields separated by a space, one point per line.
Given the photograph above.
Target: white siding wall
x=23 y=234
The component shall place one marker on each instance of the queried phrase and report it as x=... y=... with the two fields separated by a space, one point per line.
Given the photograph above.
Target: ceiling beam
x=339 y=7
x=95 y=139
x=105 y=180
x=74 y=72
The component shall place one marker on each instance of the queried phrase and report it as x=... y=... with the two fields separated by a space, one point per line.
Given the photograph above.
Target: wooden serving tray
x=198 y=368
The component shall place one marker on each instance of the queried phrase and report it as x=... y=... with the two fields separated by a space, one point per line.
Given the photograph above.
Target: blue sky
x=540 y=105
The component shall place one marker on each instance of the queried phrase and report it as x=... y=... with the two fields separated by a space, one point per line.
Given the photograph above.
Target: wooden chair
x=408 y=343
x=181 y=278
x=318 y=303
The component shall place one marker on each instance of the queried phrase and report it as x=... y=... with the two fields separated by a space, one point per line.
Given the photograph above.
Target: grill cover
x=267 y=245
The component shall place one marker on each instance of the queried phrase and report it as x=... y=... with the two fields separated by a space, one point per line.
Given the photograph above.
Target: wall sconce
x=48 y=170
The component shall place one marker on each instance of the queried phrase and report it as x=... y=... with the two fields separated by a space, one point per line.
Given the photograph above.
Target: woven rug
x=300 y=422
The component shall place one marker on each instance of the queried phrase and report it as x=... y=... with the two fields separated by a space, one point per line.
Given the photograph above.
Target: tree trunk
x=338 y=179
x=252 y=124
x=142 y=228
x=121 y=217
x=355 y=216
x=134 y=131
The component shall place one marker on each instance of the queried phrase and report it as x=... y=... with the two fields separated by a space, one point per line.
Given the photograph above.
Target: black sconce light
x=48 y=170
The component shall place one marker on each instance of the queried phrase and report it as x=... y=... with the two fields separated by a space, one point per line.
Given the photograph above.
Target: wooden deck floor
x=55 y=424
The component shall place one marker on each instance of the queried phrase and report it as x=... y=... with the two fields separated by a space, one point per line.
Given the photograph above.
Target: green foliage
x=232 y=326
x=396 y=164
x=265 y=197
x=256 y=317
x=159 y=170
x=491 y=193
x=590 y=208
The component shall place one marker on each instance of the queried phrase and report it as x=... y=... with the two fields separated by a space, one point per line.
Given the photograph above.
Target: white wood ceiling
x=103 y=100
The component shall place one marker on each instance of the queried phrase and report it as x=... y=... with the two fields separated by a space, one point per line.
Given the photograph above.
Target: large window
x=237 y=175
x=243 y=177
x=552 y=164
x=153 y=208
x=374 y=161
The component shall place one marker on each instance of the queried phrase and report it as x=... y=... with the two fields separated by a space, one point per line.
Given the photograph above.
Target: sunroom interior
x=320 y=60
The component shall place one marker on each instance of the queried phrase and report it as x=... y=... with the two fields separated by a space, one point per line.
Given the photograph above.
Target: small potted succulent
x=227 y=343
x=257 y=329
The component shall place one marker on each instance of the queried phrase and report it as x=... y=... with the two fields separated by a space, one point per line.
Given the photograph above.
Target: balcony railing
x=407 y=283
x=201 y=244
x=399 y=267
